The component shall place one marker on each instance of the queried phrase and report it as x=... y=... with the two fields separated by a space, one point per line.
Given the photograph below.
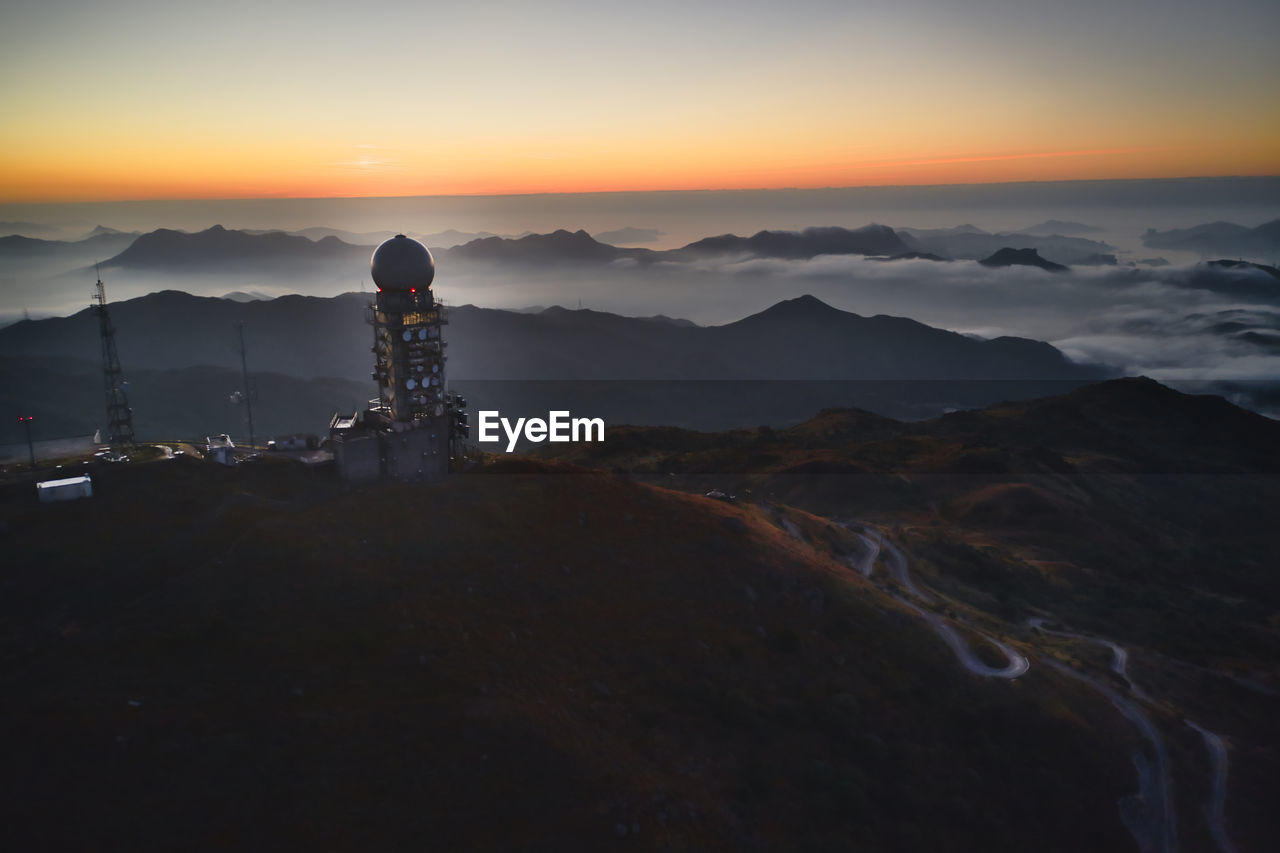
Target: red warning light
x=413 y=290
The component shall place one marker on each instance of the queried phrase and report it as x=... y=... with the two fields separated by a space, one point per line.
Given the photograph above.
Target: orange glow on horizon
x=42 y=182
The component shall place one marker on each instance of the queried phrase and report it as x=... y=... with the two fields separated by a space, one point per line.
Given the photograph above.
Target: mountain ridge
x=218 y=247
x=871 y=239
x=1220 y=238
x=314 y=337
x=1008 y=257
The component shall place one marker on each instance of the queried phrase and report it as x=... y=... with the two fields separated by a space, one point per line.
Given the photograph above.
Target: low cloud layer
x=1181 y=323
x=1176 y=323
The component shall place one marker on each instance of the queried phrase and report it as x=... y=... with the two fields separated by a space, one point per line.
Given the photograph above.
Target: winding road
x=1017 y=665
x=1215 y=811
x=896 y=563
x=1155 y=791
x=1119 y=654
x=1155 y=827
x=1216 y=807
x=866 y=563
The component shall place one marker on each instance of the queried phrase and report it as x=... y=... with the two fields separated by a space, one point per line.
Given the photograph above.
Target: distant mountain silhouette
x=1226 y=264
x=629 y=235
x=969 y=243
x=560 y=310
x=809 y=243
x=100 y=230
x=101 y=241
x=1220 y=238
x=1007 y=257
x=674 y=321
x=28 y=229
x=580 y=247
x=366 y=238
x=246 y=296
x=1059 y=227
x=558 y=246
x=449 y=237
x=16 y=245
x=219 y=248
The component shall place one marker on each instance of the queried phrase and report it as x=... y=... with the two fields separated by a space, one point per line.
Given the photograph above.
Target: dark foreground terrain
x=535 y=655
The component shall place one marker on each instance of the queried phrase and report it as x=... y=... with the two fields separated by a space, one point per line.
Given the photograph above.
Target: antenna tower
x=244 y=373
x=119 y=415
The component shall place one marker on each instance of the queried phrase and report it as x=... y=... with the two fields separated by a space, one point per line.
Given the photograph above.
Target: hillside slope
x=1151 y=507
x=1129 y=515
x=511 y=660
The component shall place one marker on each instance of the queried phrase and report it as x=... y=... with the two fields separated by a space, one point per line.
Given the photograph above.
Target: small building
x=220 y=449
x=70 y=489
x=355 y=448
x=296 y=441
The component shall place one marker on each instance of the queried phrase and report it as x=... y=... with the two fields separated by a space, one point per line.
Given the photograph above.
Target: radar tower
x=415 y=425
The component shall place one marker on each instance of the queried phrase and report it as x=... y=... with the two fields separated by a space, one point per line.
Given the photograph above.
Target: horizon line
x=603 y=192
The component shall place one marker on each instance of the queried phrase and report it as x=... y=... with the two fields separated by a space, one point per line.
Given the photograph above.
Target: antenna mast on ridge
x=119 y=415
x=244 y=373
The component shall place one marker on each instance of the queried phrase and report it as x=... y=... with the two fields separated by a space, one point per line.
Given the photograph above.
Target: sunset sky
x=146 y=99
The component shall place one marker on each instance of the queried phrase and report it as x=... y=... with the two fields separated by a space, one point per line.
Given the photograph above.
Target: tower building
x=407 y=432
x=408 y=346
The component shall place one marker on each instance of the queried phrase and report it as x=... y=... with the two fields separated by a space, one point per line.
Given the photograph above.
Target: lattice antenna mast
x=119 y=415
x=244 y=373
